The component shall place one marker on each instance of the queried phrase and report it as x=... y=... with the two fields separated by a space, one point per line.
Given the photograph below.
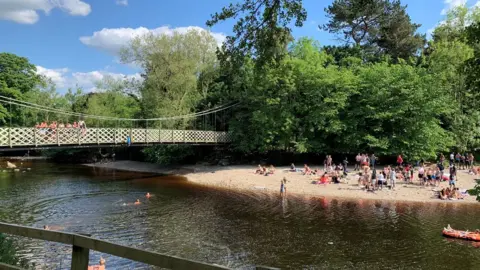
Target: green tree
x=47 y=97
x=382 y=26
x=262 y=28
x=111 y=101
x=17 y=77
x=177 y=70
x=8 y=254
x=389 y=115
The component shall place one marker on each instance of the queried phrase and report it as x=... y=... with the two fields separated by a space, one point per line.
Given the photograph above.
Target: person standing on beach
x=283 y=187
x=373 y=161
x=393 y=178
x=345 y=164
x=358 y=160
x=399 y=160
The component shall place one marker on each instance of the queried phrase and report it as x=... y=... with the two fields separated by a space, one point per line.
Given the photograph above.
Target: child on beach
x=283 y=187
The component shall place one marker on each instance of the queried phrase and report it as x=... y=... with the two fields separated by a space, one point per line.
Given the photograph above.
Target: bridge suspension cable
x=53 y=110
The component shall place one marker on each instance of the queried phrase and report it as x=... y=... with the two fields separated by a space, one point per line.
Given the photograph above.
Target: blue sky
x=74 y=42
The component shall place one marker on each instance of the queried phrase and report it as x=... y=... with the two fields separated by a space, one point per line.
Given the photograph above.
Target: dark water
x=236 y=230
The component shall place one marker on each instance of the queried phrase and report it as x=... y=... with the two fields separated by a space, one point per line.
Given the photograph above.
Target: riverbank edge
x=192 y=173
x=24 y=158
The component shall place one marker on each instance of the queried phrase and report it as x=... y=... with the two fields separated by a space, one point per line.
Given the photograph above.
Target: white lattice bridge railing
x=36 y=137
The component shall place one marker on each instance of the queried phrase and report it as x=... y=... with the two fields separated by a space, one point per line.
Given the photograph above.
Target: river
x=229 y=228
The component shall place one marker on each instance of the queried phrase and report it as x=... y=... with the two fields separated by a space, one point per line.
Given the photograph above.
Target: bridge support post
x=80 y=258
x=56 y=135
x=96 y=135
x=160 y=134
x=35 y=137
x=10 y=137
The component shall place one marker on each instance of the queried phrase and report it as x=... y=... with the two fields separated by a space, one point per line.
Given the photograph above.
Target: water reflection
x=230 y=228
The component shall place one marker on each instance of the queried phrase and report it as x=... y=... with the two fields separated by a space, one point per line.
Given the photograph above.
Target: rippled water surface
x=236 y=230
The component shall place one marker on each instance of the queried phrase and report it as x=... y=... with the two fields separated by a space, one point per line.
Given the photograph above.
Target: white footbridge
x=18 y=137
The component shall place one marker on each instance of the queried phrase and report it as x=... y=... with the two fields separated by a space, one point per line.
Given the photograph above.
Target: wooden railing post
x=173 y=139
x=35 y=136
x=80 y=258
x=56 y=135
x=160 y=134
x=130 y=135
x=78 y=136
x=96 y=135
x=10 y=137
x=115 y=135
x=184 y=136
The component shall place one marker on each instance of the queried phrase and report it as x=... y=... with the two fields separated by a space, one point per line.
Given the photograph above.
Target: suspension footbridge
x=205 y=127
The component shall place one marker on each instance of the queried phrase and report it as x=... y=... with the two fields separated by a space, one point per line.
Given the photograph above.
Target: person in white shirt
x=421 y=175
x=393 y=178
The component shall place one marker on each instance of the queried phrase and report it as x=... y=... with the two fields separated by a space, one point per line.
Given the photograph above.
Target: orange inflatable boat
x=473 y=236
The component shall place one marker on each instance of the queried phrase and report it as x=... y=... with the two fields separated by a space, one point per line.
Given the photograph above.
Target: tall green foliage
x=379 y=26
x=8 y=254
x=176 y=70
x=17 y=77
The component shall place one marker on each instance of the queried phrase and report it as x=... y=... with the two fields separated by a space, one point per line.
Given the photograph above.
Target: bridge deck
x=74 y=137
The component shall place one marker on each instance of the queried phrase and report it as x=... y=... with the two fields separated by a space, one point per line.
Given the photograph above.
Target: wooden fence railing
x=35 y=137
x=83 y=244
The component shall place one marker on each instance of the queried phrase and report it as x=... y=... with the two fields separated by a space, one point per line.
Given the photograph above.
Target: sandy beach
x=243 y=178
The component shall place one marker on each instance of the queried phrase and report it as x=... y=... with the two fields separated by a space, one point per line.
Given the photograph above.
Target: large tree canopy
x=382 y=26
x=262 y=28
x=17 y=77
x=177 y=70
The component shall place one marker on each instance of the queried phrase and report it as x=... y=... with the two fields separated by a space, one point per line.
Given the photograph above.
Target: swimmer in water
x=45 y=227
x=148 y=195
x=137 y=202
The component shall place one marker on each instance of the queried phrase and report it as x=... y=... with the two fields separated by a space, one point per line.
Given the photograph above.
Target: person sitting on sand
x=360 y=178
x=324 y=179
x=137 y=202
x=271 y=170
x=306 y=170
x=459 y=194
x=448 y=191
x=442 y=195
x=292 y=168
x=335 y=176
x=148 y=195
x=259 y=169
x=474 y=170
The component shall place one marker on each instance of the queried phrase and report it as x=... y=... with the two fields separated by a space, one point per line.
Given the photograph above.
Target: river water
x=229 y=228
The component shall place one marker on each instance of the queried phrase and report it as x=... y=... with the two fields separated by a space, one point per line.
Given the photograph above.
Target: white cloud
x=122 y=2
x=56 y=75
x=88 y=80
x=111 y=40
x=449 y=4
x=25 y=11
x=64 y=78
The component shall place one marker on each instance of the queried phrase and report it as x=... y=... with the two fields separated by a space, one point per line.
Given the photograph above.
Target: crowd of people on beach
x=371 y=178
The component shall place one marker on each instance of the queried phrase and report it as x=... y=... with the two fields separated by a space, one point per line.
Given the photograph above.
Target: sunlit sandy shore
x=243 y=178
